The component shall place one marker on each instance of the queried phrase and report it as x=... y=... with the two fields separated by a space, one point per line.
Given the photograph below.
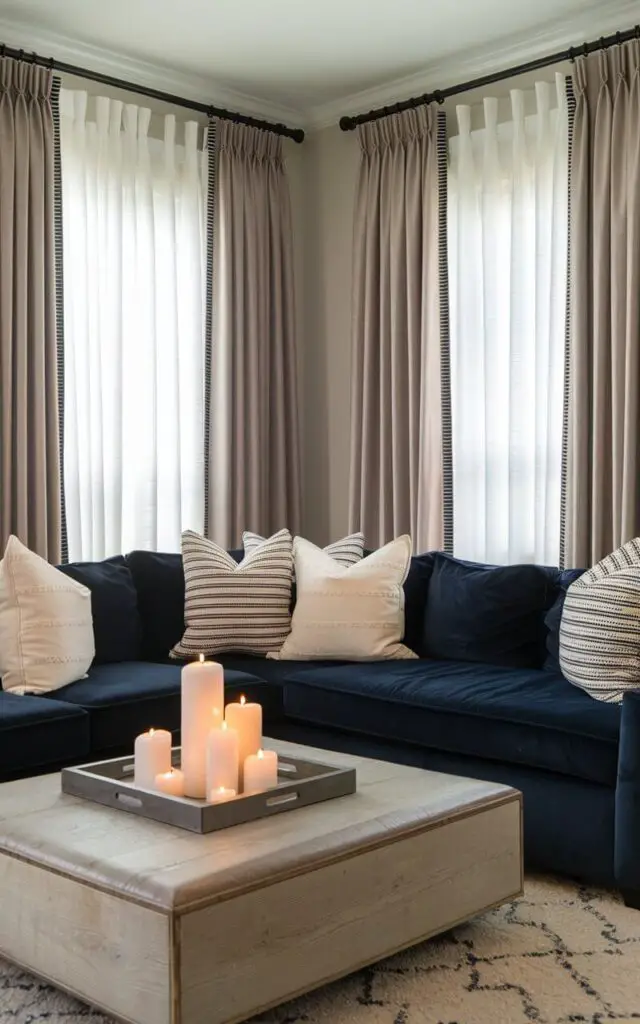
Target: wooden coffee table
x=155 y=925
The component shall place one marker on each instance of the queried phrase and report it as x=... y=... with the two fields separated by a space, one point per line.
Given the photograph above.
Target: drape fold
x=253 y=449
x=396 y=483
x=603 y=469
x=29 y=439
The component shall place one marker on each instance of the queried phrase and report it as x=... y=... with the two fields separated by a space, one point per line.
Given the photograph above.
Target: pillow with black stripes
x=346 y=552
x=600 y=626
x=232 y=606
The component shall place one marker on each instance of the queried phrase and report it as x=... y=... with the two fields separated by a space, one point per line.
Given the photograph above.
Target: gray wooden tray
x=300 y=783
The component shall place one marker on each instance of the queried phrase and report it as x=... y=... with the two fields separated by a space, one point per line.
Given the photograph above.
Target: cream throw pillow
x=46 y=626
x=352 y=614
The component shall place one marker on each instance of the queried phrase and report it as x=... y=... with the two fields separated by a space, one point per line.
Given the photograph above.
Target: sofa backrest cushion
x=159 y=582
x=416 y=588
x=488 y=614
x=553 y=618
x=114 y=607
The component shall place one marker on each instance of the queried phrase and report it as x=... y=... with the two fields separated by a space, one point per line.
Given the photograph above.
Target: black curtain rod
x=349 y=123
x=297 y=134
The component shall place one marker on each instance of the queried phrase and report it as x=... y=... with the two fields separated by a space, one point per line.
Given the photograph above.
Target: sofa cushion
x=488 y=614
x=524 y=716
x=126 y=699
x=159 y=582
x=416 y=588
x=553 y=618
x=36 y=732
x=114 y=607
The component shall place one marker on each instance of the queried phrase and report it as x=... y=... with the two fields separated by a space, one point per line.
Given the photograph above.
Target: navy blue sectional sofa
x=485 y=699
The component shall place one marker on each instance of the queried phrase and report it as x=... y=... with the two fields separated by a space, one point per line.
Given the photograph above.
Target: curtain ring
x=20 y=54
x=602 y=42
x=637 y=31
x=438 y=97
x=572 y=54
x=618 y=38
x=585 y=50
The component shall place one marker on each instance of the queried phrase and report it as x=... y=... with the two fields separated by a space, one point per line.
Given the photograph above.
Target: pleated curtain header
x=398 y=129
x=20 y=77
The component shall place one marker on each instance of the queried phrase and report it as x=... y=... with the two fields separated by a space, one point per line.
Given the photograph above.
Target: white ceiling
x=303 y=57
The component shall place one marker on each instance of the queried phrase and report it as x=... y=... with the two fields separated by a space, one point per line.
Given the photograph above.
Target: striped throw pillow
x=346 y=552
x=231 y=607
x=600 y=627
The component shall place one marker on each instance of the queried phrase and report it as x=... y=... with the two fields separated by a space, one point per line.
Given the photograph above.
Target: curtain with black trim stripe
x=401 y=423
x=30 y=473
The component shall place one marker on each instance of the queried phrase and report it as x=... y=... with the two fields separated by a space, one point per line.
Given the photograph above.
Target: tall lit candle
x=202 y=697
x=222 y=758
x=261 y=771
x=246 y=719
x=152 y=755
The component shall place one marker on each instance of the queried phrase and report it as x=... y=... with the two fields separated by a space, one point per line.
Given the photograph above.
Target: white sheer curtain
x=508 y=189
x=134 y=276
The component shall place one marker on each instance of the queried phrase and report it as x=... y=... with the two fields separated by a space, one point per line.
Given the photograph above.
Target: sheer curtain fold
x=508 y=225
x=133 y=210
x=29 y=427
x=603 y=476
x=396 y=435
x=254 y=460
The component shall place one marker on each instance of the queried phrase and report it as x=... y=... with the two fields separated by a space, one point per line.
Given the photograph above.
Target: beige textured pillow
x=46 y=626
x=352 y=614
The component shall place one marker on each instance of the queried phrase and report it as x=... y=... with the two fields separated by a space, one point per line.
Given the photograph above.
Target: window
x=508 y=224
x=134 y=285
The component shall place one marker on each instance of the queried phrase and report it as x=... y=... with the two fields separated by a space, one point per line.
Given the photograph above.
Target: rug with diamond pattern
x=561 y=955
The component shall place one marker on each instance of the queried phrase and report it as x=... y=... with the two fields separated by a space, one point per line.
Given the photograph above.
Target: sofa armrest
x=627 y=814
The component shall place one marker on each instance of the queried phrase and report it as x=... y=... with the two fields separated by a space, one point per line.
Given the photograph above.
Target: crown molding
x=595 y=20
x=145 y=73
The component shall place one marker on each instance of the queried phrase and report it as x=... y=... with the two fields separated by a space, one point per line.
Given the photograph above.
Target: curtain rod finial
x=347 y=124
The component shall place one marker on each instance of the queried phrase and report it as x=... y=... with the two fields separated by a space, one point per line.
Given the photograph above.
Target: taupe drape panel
x=29 y=440
x=254 y=470
x=603 y=467
x=397 y=443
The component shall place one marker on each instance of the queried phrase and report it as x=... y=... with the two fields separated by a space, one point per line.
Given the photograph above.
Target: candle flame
x=221 y=789
x=261 y=753
x=225 y=725
x=201 y=658
x=151 y=732
x=243 y=700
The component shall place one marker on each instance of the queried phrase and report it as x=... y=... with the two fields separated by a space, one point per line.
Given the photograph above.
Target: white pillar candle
x=152 y=754
x=261 y=771
x=202 y=700
x=246 y=719
x=171 y=782
x=221 y=795
x=222 y=758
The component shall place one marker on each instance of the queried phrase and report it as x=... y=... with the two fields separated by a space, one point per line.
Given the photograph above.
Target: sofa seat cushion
x=39 y=731
x=523 y=716
x=126 y=699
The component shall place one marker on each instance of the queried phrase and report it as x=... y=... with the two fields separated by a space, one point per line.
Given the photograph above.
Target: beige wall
x=330 y=166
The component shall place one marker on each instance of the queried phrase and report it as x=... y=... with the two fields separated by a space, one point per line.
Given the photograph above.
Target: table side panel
x=260 y=948
x=113 y=953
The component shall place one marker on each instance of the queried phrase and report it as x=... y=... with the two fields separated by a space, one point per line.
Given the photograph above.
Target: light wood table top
x=169 y=869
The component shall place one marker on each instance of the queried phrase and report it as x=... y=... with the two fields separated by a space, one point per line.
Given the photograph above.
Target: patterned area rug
x=560 y=955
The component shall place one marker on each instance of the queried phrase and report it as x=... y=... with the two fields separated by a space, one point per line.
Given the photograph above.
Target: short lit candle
x=220 y=795
x=202 y=692
x=222 y=758
x=246 y=719
x=171 y=782
x=261 y=771
x=152 y=755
